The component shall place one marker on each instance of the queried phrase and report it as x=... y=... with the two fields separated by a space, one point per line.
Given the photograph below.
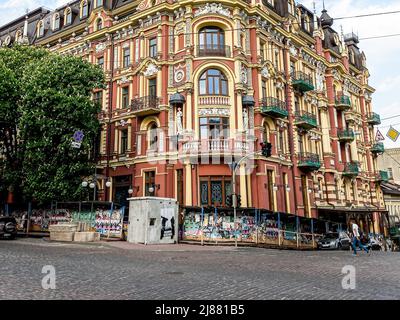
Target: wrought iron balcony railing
x=309 y=161
x=374 y=119
x=274 y=107
x=302 y=82
x=145 y=105
x=351 y=169
x=342 y=102
x=306 y=120
x=378 y=148
x=346 y=135
x=383 y=176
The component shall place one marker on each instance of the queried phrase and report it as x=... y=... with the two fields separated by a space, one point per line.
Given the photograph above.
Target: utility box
x=153 y=220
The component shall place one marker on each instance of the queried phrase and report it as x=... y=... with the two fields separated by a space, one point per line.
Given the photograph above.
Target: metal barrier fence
x=257 y=228
x=103 y=217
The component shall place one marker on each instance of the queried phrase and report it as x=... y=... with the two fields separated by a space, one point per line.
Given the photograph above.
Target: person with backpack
x=357 y=240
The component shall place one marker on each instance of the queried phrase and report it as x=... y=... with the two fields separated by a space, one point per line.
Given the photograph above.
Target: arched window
x=56 y=21
x=40 y=29
x=68 y=16
x=99 y=3
x=99 y=24
x=84 y=9
x=266 y=133
x=213 y=82
x=153 y=136
x=212 y=41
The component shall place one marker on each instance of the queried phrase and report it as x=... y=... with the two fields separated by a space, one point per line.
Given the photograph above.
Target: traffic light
x=229 y=201
x=266 y=149
x=239 y=201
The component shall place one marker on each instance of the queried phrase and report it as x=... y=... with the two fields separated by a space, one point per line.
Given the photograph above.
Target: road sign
x=76 y=145
x=379 y=136
x=78 y=138
x=393 y=134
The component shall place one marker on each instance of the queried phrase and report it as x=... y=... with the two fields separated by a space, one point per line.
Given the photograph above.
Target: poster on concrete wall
x=167 y=223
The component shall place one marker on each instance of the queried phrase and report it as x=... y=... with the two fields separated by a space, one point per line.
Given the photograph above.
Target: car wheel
x=339 y=246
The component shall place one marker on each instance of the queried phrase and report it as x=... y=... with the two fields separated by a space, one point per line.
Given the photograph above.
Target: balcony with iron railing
x=342 y=102
x=374 y=119
x=346 y=135
x=305 y=120
x=309 y=161
x=302 y=82
x=216 y=146
x=209 y=50
x=274 y=107
x=378 y=148
x=383 y=176
x=351 y=169
x=145 y=106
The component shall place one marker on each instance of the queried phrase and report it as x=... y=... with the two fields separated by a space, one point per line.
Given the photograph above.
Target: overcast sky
x=382 y=54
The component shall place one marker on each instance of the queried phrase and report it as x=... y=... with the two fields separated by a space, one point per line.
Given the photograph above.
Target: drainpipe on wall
x=110 y=100
x=291 y=135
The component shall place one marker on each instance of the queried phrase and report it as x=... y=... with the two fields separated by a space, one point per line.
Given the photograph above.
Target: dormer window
x=99 y=3
x=84 y=9
x=99 y=25
x=40 y=29
x=56 y=22
x=290 y=7
x=307 y=23
x=18 y=36
x=68 y=17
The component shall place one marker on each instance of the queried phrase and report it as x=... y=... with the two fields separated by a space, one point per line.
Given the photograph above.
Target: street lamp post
x=234 y=166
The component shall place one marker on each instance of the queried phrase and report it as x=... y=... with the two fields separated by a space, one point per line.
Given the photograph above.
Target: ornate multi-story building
x=192 y=85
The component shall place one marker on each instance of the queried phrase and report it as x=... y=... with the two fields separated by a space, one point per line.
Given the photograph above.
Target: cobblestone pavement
x=123 y=271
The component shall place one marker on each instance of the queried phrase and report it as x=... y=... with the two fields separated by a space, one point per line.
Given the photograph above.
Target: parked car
x=8 y=228
x=375 y=244
x=335 y=240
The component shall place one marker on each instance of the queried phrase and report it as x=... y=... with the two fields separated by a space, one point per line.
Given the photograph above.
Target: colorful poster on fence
x=108 y=225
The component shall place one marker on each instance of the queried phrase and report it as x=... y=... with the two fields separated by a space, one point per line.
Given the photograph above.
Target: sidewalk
x=164 y=247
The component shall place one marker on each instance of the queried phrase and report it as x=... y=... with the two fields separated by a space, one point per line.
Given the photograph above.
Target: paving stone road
x=122 y=271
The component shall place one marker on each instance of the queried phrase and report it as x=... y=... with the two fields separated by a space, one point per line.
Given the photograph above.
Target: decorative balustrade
x=216 y=146
x=214 y=101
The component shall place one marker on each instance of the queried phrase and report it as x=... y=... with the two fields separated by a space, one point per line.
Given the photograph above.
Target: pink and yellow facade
x=193 y=85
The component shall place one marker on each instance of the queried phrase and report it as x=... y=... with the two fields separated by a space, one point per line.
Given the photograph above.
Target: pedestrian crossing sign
x=393 y=134
x=379 y=136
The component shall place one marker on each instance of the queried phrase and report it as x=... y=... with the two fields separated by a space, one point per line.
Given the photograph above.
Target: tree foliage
x=44 y=99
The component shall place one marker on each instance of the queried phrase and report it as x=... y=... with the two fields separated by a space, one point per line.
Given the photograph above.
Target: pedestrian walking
x=356 y=239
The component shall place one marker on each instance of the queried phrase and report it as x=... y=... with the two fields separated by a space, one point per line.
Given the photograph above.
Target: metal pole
x=234 y=200
x=312 y=233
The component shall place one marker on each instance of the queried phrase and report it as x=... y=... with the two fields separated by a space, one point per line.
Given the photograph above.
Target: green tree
x=53 y=100
x=13 y=63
